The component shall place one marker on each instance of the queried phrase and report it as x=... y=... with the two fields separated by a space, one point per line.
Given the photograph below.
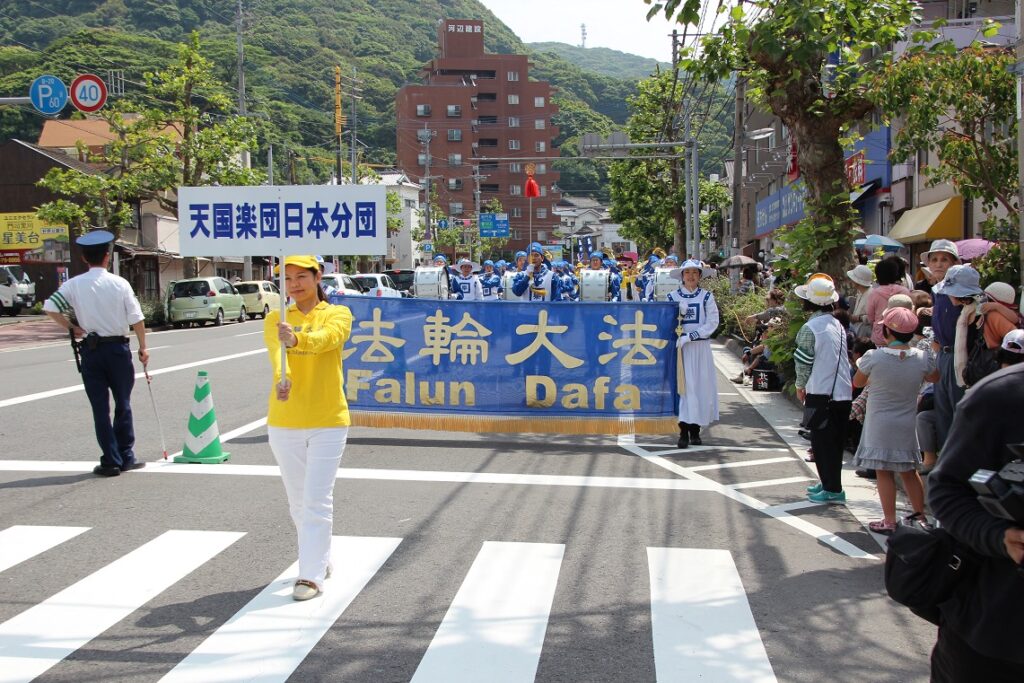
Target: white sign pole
x=283 y=318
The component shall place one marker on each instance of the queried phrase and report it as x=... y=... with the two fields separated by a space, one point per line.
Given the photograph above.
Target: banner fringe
x=514 y=424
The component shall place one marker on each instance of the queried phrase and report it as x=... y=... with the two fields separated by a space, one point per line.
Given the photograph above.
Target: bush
x=733 y=308
x=153 y=311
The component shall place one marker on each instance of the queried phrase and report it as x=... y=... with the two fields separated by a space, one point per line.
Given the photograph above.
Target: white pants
x=309 y=460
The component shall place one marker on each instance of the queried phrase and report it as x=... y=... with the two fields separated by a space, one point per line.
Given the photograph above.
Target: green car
x=202 y=300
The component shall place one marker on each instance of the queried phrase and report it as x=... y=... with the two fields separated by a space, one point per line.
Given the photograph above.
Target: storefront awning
x=862 y=191
x=941 y=220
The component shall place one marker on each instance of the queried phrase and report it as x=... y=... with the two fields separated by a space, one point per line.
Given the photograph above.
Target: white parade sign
x=262 y=220
x=88 y=92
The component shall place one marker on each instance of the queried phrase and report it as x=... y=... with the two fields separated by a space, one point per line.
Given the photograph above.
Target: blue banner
x=511 y=367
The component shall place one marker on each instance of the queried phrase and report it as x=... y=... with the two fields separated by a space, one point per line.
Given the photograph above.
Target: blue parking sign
x=48 y=94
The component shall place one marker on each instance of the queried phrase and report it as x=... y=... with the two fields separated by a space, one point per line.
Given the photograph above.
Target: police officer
x=467 y=287
x=538 y=282
x=490 y=281
x=105 y=307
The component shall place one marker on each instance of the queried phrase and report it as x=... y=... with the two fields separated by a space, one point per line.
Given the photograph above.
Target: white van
x=17 y=290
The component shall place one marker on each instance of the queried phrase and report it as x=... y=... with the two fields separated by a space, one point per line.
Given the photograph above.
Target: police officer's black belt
x=107 y=340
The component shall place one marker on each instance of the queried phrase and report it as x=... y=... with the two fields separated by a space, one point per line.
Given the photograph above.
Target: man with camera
x=982 y=624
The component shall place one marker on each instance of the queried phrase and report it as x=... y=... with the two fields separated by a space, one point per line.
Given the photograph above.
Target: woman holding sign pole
x=307 y=420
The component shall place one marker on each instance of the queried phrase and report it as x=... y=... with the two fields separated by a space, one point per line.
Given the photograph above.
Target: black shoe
x=684 y=436
x=866 y=474
x=695 y=435
x=134 y=465
x=102 y=471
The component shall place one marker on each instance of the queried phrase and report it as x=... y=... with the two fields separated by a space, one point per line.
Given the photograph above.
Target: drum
x=594 y=285
x=506 y=282
x=664 y=283
x=431 y=282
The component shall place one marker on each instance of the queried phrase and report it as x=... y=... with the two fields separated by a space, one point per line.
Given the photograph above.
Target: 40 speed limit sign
x=88 y=92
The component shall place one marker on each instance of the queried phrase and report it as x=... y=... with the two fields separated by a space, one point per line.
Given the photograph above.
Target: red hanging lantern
x=532 y=189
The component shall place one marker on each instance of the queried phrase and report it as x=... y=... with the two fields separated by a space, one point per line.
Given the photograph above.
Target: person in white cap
x=939 y=258
x=1001 y=298
x=862 y=278
x=1011 y=351
x=695 y=380
x=467 y=287
x=823 y=385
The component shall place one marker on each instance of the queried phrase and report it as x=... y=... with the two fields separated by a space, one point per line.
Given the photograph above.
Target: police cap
x=95 y=238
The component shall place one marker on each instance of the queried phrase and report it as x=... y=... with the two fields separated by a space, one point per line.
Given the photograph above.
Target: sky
x=618 y=24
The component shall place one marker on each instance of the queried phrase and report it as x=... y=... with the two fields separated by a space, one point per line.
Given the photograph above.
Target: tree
x=189 y=140
x=648 y=195
x=960 y=104
x=808 y=62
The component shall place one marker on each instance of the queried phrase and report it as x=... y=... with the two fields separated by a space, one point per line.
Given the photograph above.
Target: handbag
x=981 y=360
x=923 y=568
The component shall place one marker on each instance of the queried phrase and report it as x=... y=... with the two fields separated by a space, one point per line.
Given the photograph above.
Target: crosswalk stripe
x=494 y=628
x=703 y=627
x=43 y=635
x=19 y=543
x=268 y=638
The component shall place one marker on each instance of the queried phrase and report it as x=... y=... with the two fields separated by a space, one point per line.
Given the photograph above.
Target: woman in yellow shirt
x=307 y=418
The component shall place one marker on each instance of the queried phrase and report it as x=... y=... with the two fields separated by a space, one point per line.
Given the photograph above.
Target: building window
x=454 y=111
x=540 y=146
x=513 y=122
x=421 y=159
x=542 y=213
x=541 y=168
x=513 y=144
x=422 y=110
x=455 y=183
x=538 y=102
x=515 y=167
x=538 y=124
x=455 y=160
x=455 y=208
x=410 y=203
x=513 y=99
x=515 y=190
x=543 y=190
x=513 y=76
x=455 y=135
x=517 y=212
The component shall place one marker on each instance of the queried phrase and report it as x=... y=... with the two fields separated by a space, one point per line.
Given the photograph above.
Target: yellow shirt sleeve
x=335 y=331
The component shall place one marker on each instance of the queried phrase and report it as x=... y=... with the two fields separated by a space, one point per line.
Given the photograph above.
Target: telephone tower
x=583 y=35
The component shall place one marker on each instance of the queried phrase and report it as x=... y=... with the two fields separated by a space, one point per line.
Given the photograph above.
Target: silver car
x=202 y=300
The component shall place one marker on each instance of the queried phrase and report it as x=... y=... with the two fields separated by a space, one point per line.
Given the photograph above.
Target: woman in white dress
x=695 y=368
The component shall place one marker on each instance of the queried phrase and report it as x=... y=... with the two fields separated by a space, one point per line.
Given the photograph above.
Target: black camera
x=1002 y=493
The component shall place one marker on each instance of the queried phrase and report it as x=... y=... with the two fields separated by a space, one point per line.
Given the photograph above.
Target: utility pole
x=737 y=151
x=247 y=260
x=270 y=165
x=476 y=200
x=354 y=96
x=695 y=199
x=424 y=137
x=338 y=120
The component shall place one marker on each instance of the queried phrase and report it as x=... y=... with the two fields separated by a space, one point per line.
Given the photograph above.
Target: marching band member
x=695 y=380
x=538 y=282
x=599 y=262
x=646 y=274
x=670 y=261
x=465 y=285
x=441 y=261
x=521 y=262
x=490 y=281
x=570 y=283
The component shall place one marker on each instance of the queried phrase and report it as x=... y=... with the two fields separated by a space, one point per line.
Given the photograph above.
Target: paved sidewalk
x=36 y=332
x=783 y=415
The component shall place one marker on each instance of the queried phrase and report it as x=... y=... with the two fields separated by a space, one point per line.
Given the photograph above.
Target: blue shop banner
x=511 y=367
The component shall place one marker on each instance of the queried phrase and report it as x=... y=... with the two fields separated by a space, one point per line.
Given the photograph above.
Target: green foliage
x=809 y=62
x=959 y=104
x=602 y=60
x=1000 y=264
x=153 y=311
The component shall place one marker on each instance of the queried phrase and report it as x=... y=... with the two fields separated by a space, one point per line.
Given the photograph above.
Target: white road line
x=43 y=635
x=796 y=505
x=702 y=623
x=19 y=543
x=152 y=373
x=267 y=639
x=668 y=449
x=802 y=525
x=151 y=348
x=494 y=628
x=741 y=463
x=365 y=474
x=247 y=334
x=767 y=482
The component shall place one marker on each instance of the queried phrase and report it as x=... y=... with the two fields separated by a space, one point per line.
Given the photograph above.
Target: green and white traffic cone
x=202 y=444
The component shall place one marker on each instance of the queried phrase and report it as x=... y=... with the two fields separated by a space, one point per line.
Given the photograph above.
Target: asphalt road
x=463 y=557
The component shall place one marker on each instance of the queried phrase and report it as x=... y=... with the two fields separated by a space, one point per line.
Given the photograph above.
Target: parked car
x=377 y=284
x=342 y=284
x=403 y=280
x=202 y=300
x=17 y=291
x=259 y=296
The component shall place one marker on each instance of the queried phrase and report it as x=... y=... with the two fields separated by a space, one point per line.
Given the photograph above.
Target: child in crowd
x=889 y=444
